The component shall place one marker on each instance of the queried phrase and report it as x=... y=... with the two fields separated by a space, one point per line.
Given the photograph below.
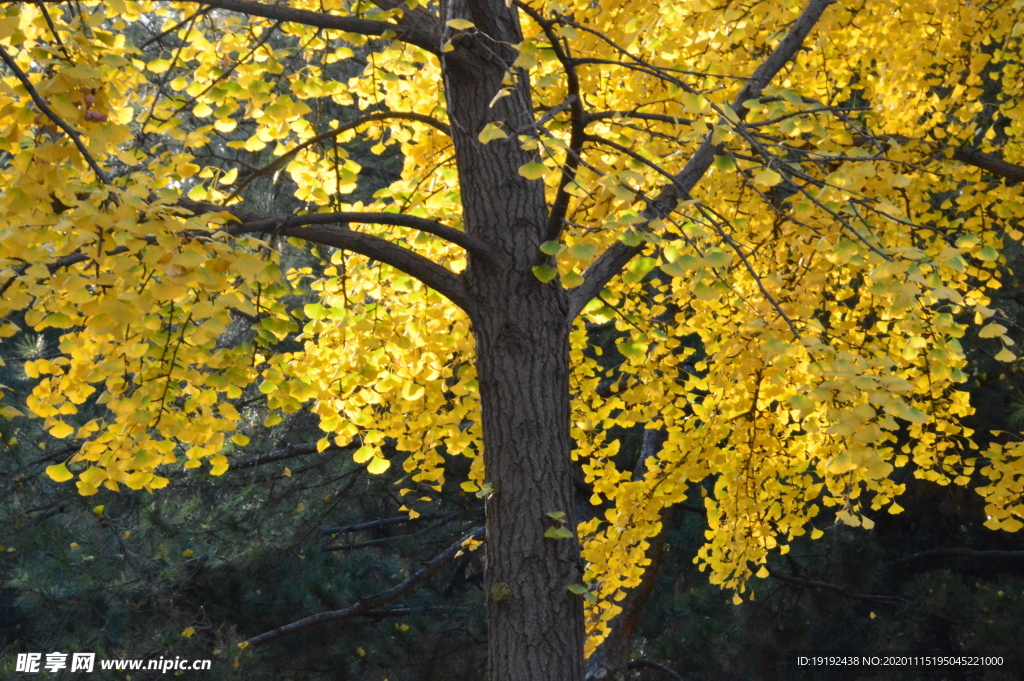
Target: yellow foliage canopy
x=792 y=321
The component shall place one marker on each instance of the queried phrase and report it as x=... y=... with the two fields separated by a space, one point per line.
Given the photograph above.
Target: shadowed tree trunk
x=521 y=328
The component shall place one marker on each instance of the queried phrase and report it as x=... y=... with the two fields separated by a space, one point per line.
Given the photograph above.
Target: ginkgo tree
x=790 y=212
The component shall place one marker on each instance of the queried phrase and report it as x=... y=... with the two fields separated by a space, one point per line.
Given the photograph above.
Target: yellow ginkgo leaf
x=491 y=132
x=767 y=178
x=533 y=170
x=61 y=430
x=59 y=472
x=378 y=465
x=364 y=454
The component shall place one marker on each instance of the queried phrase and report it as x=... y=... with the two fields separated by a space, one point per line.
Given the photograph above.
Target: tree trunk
x=521 y=329
x=535 y=625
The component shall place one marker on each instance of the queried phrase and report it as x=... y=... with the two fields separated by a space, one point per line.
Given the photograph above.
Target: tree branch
x=661 y=118
x=611 y=262
x=958 y=553
x=273 y=223
x=438 y=522
x=328 y=229
x=1011 y=172
x=184 y=22
x=289 y=452
x=253 y=222
x=574 y=102
x=385 y=522
x=368 y=27
x=841 y=590
x=372 y=603
x=312 y=228
x=57 y=120
x=989 y=162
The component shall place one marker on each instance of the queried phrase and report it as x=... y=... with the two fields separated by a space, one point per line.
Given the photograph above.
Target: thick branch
x=57 y=120
x=1011 y=172
x=372 y=603
x=442 y=280
x=273 y=223
x=611 y=262
x=413 y=35
x=329 y=229
x=989 y=162
x=574 y=101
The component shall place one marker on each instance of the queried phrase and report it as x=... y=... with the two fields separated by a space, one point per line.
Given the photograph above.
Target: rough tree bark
x=521 y=328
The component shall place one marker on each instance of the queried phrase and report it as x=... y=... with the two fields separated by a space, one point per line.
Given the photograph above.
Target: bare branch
x=373 y=602
x=53 y=30
x=57 y=120
x=841 y=590
x=284 y=454
x=385 y=522
x=619 y=254
x=438 y=522
x=661 y=118
x=184 y=22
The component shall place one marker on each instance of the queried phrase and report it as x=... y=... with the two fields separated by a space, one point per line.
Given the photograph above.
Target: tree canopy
x=785 y=215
